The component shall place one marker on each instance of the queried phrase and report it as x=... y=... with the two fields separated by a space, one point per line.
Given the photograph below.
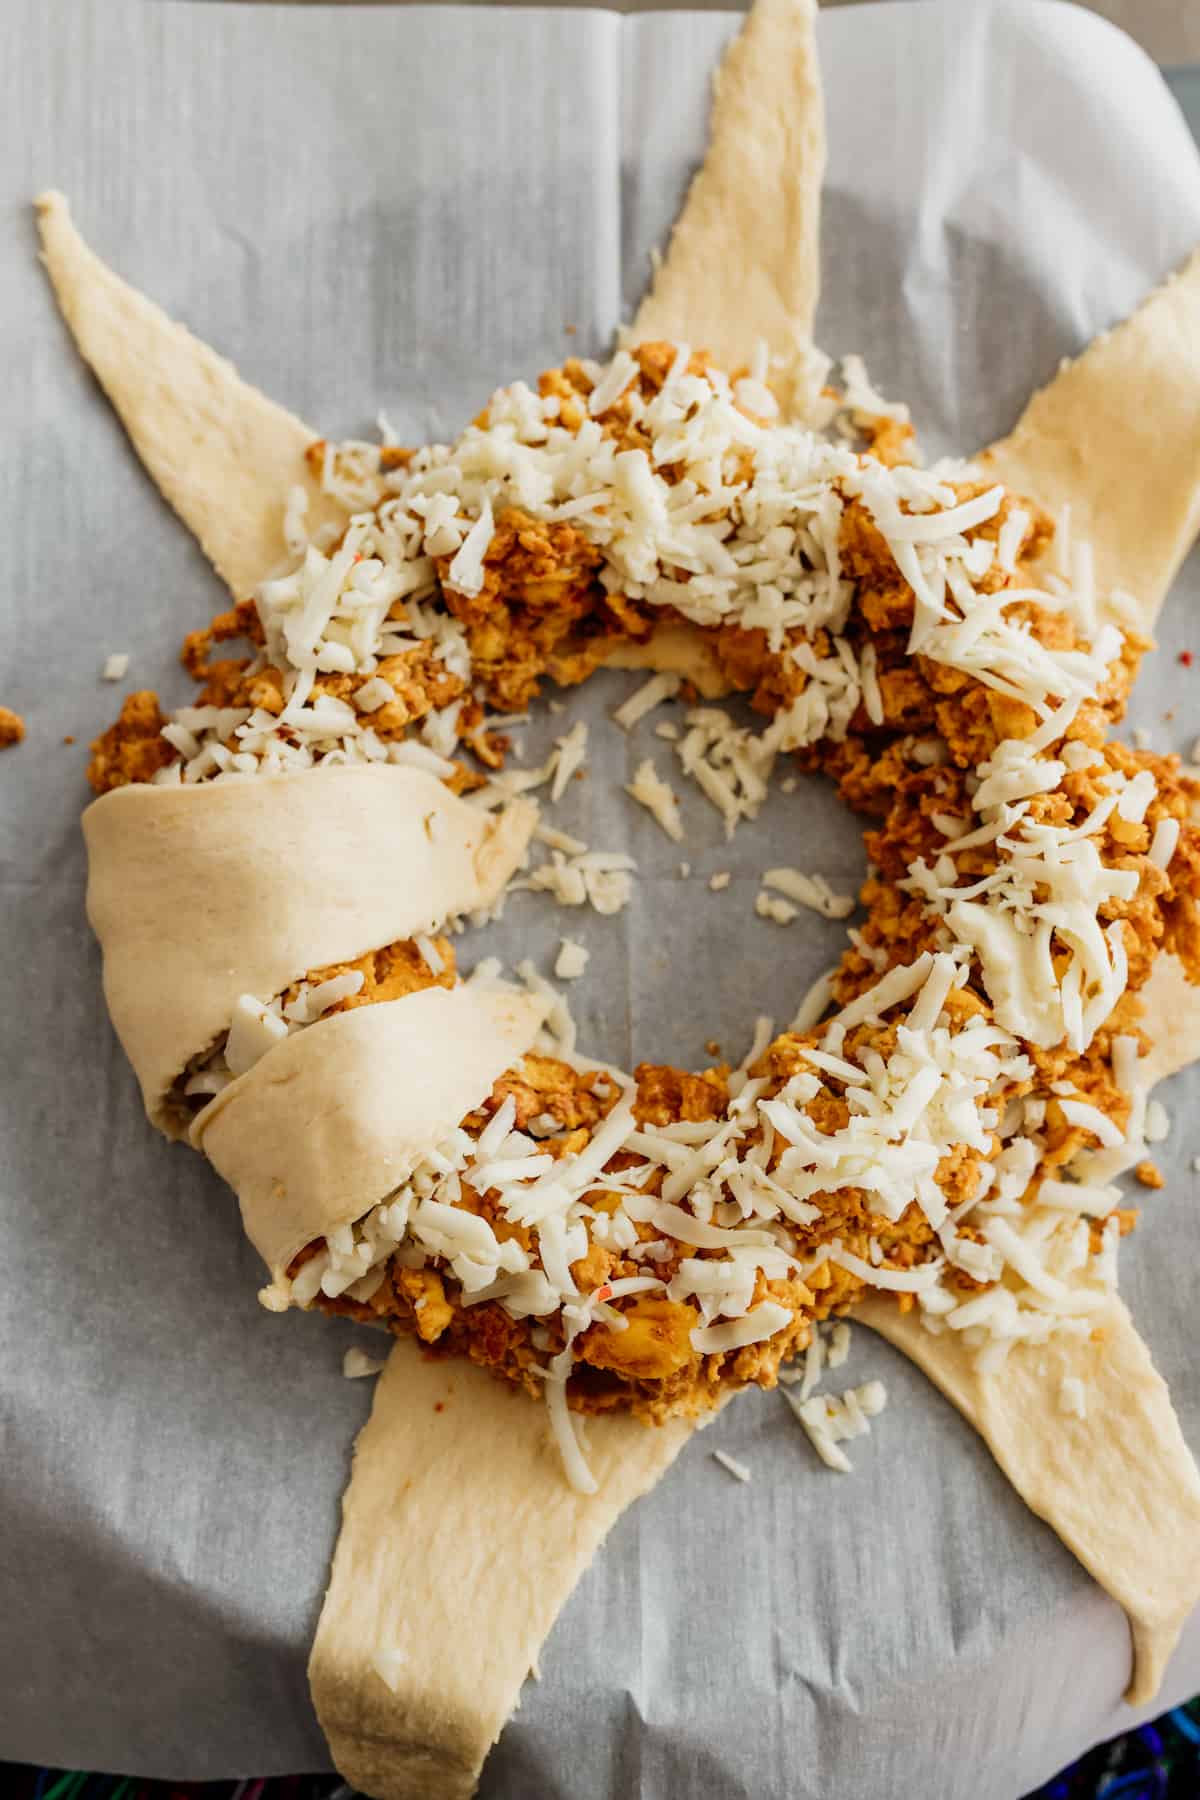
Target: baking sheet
x=399 y=207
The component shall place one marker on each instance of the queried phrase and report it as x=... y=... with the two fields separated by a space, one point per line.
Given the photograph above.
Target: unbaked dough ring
x=440 y=1746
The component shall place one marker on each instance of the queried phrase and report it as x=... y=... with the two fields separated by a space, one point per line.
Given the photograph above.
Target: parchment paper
x=376 y=207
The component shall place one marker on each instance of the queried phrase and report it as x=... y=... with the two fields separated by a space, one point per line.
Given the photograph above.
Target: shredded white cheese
x=571 y=961
x=601 y=879
x=1072 y=1396
x=1163 y=843
x=431 y=956
x=830 y=1419
x=650 y=790
x=737 y=1469
x=643 y=700
x=780 y=912
x=571 y=751
x=251 y=1034
x=1158 y=1123
x=812 y=891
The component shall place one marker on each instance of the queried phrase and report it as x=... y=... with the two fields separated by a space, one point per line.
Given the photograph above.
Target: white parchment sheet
x=399 y=208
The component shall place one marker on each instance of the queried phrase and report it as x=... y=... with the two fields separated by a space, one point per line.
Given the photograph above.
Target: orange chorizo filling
x=650 y=1366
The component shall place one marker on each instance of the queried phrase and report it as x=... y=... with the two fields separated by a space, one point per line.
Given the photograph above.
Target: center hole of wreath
x=683 y=966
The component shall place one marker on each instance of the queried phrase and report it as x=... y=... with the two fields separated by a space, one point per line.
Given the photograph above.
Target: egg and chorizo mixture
x=946 y=1116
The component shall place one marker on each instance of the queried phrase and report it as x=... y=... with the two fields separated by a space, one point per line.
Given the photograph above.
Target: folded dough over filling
x=334 y=1118
x=201 y=894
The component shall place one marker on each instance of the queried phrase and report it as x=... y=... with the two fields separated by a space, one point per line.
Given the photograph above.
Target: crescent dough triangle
x=460 y=1544
x=1172 y=1006
x=222 y=454
x=1120 y=1488
x=744 y=257
x=1116 y=436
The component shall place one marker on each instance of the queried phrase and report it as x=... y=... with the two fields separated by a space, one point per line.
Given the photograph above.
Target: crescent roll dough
x=333 y=1118
x=1116 y=437
x=743 y=263
x=1120 y=1488
x=221 y=453
x=675 y=650
x=201 y=894
x=460 y=1543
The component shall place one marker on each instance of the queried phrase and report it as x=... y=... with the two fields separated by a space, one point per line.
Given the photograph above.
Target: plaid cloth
x=1156 y=1762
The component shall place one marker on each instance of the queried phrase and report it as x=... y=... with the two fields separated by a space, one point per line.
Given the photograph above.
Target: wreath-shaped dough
x=210 y=894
